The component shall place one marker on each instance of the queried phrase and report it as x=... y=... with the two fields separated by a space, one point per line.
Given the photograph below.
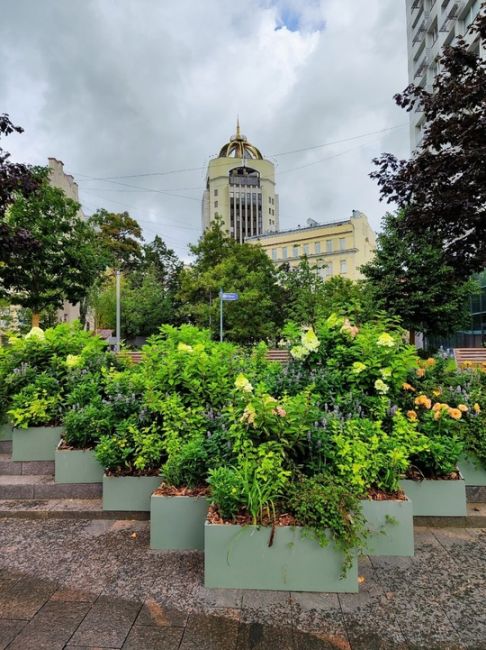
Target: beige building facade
x=241 y=190
x=65 y=182
x=337 y=248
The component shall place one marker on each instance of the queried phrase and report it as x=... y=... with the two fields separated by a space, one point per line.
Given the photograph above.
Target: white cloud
x=142 y=86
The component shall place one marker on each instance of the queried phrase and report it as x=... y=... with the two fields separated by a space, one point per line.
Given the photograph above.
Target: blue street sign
x=229 y=296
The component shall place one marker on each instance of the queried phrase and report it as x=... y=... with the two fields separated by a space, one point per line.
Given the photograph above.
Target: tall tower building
x=431 y=24
x=240 y=188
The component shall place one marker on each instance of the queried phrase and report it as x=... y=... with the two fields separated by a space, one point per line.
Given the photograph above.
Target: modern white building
x=431 y=24
x=240 y=189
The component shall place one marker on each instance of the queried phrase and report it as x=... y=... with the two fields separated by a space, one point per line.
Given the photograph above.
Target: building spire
x=238 y=127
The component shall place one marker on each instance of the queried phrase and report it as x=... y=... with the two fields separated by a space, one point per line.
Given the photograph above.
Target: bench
x=470 y=357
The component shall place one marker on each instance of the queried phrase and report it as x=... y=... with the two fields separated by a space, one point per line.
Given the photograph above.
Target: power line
x=275 y=155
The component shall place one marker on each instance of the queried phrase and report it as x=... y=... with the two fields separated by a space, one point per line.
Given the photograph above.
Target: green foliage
x=120 y=237
x=63 y=353
x=37 y=404
x=326 y=506
x=310 y=298
x=67 y=259
x=225 y=491
x=365 y=456
x=244 y=268
x=83 y=427
x=145 y=304
x=448 y=407
x=410 y=278
x=187 y=465
x=357 y=369
x=131 y=449
x=185 y=361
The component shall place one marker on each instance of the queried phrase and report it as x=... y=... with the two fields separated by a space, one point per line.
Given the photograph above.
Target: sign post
x=222 y=298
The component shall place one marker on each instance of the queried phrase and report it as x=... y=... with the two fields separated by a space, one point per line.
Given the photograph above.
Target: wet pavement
x=96 y=584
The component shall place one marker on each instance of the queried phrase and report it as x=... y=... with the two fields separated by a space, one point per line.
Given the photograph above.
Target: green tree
x=163 y=263
x=121 y=236
x=145 y=305
x=64 y=264
x=222 y=263
x=410 y=277
x=309 y=297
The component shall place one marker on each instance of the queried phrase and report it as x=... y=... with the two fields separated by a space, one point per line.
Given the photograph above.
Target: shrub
x=325 y=505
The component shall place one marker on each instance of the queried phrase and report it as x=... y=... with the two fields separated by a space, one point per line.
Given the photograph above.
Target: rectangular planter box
x=6 y=431
x=473 y=471
x=177 y=523
x=436 y=498
x=77 y=466
x=238 y=557
x=35 y=443
x=128 y=492
x=391 y=526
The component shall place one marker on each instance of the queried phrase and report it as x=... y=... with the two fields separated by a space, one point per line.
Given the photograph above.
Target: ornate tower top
x=239 y=147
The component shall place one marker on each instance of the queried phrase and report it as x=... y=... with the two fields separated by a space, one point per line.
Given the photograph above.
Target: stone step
x=93 y=509
x=63 y=509
x=476 y=494
x=44 y=487
x=32 y=467
x=475 y=518
x=5 y=446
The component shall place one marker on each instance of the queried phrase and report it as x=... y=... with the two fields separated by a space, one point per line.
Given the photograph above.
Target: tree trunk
x=35 y=319
x=412 y=337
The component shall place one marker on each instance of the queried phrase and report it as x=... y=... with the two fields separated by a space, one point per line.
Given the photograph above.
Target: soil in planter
x=171 y=491
x=243 y=518
x=378 y=495
x=131 y=472
x=63 y=446
x=415 y=474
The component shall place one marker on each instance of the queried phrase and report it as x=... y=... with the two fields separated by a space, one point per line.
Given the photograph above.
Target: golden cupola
x=239 y=147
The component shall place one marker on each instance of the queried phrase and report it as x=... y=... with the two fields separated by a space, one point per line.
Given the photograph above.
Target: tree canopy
x=15 y=179
x=410 y=278
x=121 y=236
x=222 y=263
x=66 y=260
x=443 y=185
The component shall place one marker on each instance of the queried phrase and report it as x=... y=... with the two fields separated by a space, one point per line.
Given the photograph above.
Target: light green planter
x=6 y=431
x=77 y=466
x=391 y=526
x=473 y=471
x=237 y=557
x=177 y=523
x=129 y=492
x=436 y=498
x=35 y=443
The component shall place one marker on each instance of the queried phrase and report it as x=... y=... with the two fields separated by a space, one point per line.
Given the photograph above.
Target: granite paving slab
x=91 y=584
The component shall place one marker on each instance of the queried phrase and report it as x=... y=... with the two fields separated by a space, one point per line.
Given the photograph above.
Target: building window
x=306 y=249
x=215 y=192
x=270 y=200
x=269 y=210
x=284 y=252
x=329 y=270
x=343 y=266
x=329 y=246
x=317 y=247
x=295 y=251
x=216 y=215
x=274 y=254
x=342 y=244
x=215 y=204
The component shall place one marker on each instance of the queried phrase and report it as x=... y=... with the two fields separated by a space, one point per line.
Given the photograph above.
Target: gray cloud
x=118 y=88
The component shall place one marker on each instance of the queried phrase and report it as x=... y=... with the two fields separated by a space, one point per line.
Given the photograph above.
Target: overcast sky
x=119 y=88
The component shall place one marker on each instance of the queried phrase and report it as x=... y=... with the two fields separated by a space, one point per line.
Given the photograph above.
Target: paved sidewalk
x=95 y=584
